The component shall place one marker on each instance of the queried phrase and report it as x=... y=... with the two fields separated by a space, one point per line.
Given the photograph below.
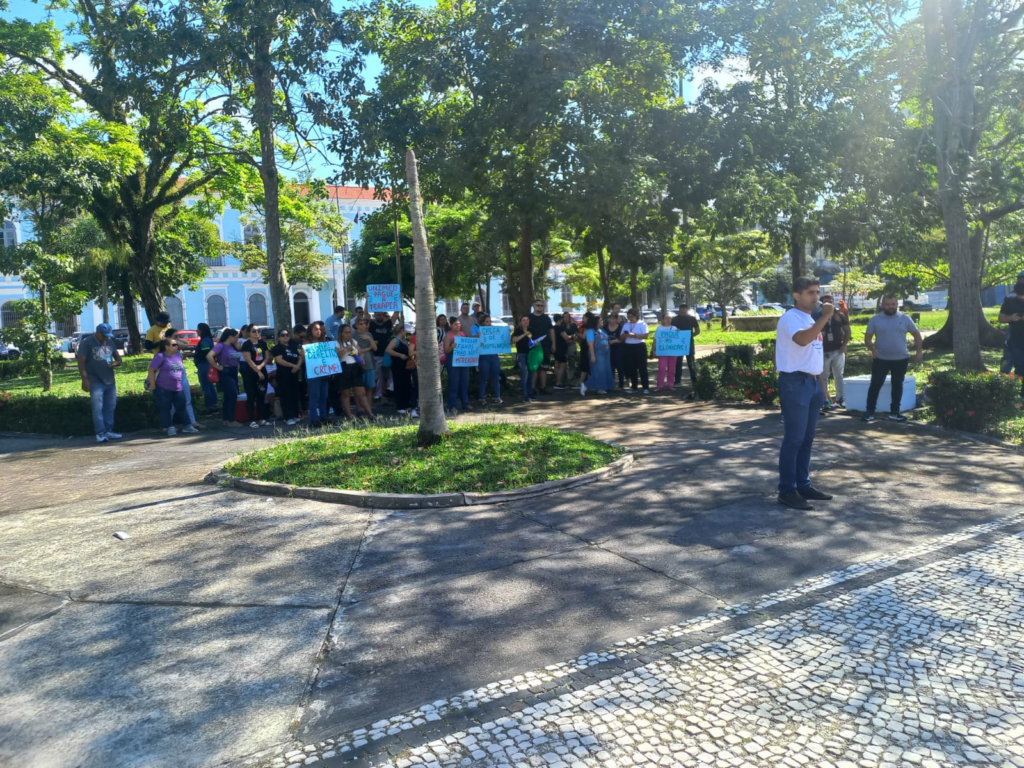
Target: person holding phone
x=97 y=358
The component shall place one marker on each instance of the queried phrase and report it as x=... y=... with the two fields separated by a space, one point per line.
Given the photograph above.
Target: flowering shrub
x=735 y=375
x=977 y=402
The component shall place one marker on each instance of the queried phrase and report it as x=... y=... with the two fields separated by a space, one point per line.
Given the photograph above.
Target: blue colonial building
x=230 y=296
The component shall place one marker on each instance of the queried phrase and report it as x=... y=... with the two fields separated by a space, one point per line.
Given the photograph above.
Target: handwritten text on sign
x=466 y=353
x=321 y=359
x=384 y=298
x=494 y=340
x=668 y=342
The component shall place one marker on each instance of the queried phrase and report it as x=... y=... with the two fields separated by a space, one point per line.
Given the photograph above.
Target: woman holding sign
x=458 y=378
x=316 y=333
x=490 y=365
x=666 y=364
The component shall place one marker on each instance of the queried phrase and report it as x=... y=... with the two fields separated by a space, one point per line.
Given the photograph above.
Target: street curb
x=217 y=476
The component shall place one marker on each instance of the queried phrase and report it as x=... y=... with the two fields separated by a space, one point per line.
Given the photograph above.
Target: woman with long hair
x=403 y=368
x=316 y=332
x=522 y=341
x=635 y=334
x=601 y=377
x=254 y=377
x=203 y=348
x=490 y=365
x=616 y=348
x=225 y=358
x=351 y=379
x=287 y=358
x=458 y=378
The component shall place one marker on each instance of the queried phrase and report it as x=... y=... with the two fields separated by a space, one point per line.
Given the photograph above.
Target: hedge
x=71 y=415
x=976 y=402
x=12 y=369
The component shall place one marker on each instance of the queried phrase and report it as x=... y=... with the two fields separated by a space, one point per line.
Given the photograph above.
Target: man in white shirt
x=799 y=360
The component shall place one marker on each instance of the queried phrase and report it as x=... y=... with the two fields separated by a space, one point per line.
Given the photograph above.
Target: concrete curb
x=218 y=476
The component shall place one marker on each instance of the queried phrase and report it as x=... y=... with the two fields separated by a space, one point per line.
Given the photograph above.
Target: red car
x=192 y=337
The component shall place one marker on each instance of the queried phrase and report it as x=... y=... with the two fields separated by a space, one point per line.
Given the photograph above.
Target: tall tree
x=266 y=59
x=433 y=426
x=142 y=83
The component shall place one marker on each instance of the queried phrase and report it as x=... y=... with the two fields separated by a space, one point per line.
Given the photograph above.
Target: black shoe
x=813 y=494
x=794 y=500
x=897 y=417
x=692 y=396
x=868 y=417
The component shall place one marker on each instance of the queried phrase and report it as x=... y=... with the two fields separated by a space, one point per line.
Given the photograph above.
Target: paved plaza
x=674 y=614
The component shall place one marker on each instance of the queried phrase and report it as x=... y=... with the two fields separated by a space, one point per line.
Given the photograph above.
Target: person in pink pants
x=666 y=365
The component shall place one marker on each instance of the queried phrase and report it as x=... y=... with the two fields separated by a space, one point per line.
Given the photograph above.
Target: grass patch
x=130 y=377
x=477 y=458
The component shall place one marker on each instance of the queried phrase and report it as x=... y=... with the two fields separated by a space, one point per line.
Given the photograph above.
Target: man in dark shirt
x=542 y=330
x=684 y=321
x=1012 y=313
x=381 y=328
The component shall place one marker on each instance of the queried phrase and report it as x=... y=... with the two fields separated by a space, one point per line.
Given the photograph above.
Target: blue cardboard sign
x=671 y=342
x=466 y=353
x=495 y=340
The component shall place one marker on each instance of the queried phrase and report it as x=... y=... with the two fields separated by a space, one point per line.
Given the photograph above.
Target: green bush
x=738 y=373
x=976 y=402
x=12 y=369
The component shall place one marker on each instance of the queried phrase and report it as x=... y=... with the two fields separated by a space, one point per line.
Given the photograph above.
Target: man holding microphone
x=799 y=360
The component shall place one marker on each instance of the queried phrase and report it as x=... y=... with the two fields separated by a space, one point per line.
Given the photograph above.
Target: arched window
x=252 y=235
x=9 y=315
x=216 y=311
x=173 y=304
x=301 y=308
x=258 y=309
x=10 y=235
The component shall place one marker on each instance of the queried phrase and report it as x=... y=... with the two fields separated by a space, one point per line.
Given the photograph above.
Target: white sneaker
x=414 y=413
x=647 y=391
x=112 y=436
x=101 y=438
x=291 y=422
x=171 y=432
x=583 y=389
x=190 y=430
x=498 y=400
x=403 y=413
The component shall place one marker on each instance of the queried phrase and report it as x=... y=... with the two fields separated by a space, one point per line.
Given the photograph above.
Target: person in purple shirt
x=164 y=381
x=225 y=358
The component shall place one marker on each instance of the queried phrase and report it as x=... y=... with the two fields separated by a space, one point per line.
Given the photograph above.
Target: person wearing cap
x=156 y=332
x=97 y=358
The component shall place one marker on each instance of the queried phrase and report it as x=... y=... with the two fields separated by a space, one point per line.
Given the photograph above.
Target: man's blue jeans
x=801 y=399
x=1016 y=360
x=490 y=370
x=104 y=399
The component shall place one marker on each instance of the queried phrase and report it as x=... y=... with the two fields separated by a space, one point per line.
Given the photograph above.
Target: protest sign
x=321 y=359
x=669 y=342
x=384 y=298
x=495 y=340
x=466 y=353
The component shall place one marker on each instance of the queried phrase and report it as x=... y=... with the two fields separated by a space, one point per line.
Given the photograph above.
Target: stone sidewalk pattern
x=897 y=673
x=230 y=628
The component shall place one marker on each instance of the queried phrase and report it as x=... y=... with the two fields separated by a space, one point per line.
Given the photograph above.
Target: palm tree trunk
x=433 y=426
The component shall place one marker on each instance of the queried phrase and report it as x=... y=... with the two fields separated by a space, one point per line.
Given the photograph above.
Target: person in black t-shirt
x=565 y=335
x=684 y=321
x=286 y=356
x=1012 y=313
x=542 y=330
x=254 y=377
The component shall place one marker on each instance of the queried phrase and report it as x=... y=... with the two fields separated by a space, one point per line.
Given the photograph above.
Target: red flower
x=970 y=413
x=949 y=413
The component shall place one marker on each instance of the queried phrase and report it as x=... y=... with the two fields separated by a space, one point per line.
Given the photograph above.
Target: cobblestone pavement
x=918 y=661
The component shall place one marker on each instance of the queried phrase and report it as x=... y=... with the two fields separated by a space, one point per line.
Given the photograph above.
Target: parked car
x=192 y=337
x=9 y=352
x=912 y=306
x=74 y=341
x=122 y=340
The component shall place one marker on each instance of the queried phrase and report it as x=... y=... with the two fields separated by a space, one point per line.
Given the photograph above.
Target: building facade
x=229 y=296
